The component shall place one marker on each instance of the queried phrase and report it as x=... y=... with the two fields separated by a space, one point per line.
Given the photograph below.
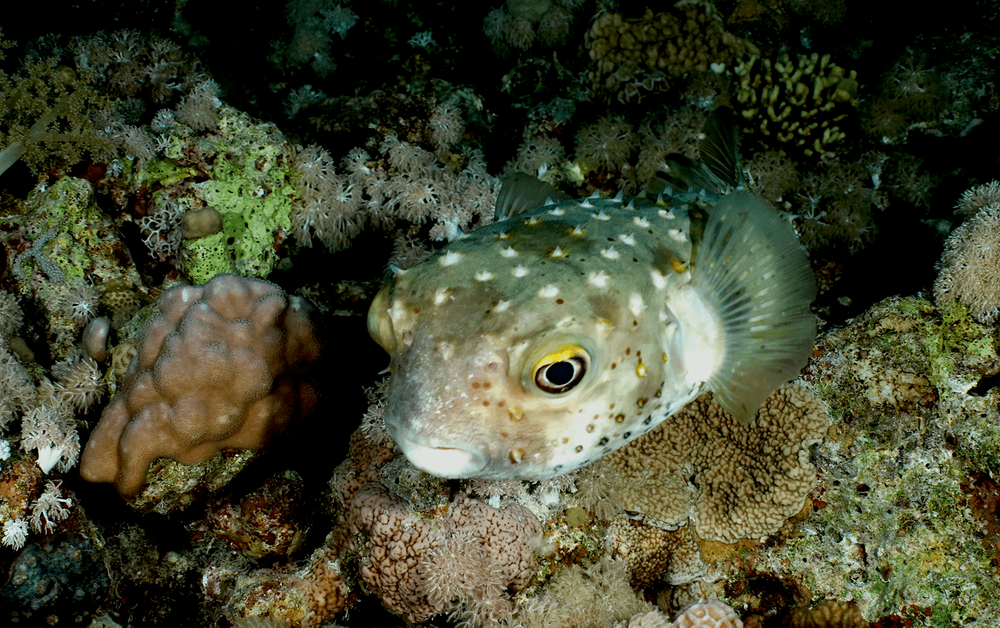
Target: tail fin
x=751 y=270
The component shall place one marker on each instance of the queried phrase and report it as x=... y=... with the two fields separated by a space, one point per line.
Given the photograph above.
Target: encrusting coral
x=733 y=482
x=224 y=365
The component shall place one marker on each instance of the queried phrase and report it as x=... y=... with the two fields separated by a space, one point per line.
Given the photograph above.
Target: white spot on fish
x=601 y=216
x=446 y=350
x=451 y=258
x=635 y=304
x=502 y=306
x=484 y=275
x=509 y=252
x=640 y=221
x=618 y=197
x=627 y=239
x=548 y=291
x=586 y=204
x=520 y=271
x=441 y=296
x=677 y=234
x=534 y=220
x=659 y=279
x=577 y=231
x=599 y=279
x=558 y=211
x=502 y=236
x=610 y=253
x=669 y=215
x=557 y=253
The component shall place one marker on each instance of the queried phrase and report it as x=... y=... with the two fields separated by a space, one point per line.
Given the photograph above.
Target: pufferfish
x=541 y=342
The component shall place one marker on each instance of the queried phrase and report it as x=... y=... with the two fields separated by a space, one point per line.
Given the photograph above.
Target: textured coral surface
x=219 y=366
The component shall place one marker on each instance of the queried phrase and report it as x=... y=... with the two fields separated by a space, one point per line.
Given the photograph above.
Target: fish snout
x=442 y=461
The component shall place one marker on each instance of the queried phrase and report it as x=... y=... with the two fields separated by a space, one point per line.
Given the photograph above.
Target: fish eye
x=561 y=370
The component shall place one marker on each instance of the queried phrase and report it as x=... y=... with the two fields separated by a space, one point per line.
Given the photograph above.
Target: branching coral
x=222 y=365
x=797 y=103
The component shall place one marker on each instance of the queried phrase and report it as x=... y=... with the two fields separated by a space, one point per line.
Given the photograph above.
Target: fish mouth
x=444 y=462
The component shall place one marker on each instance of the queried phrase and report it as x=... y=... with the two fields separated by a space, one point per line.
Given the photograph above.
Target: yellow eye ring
x=562 y=370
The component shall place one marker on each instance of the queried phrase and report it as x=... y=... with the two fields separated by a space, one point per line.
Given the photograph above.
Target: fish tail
x=751 y=270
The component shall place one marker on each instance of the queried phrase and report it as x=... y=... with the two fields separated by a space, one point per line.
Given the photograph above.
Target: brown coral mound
x=733 y=482
x=222 y=365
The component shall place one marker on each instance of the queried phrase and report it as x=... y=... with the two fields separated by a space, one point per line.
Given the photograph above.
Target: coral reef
x=889 y=527
x=224 y=365
x=326 y=143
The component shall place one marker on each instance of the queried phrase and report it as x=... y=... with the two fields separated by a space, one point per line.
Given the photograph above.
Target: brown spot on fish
x=619 y=418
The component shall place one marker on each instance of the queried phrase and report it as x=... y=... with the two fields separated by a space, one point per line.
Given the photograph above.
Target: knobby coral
x=224 y=365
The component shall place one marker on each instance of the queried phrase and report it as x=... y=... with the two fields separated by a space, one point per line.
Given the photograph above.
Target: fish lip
x=440 y=461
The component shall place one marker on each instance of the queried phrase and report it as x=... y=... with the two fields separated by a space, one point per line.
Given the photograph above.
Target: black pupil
x=560 y=373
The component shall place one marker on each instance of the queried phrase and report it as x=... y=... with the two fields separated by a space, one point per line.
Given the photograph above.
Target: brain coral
x=707 y=614
x=733 y=482
x=223 y=365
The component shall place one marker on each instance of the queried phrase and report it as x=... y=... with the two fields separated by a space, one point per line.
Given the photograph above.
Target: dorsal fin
x=718 y=169
x=522 y=192
x=752 y=272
